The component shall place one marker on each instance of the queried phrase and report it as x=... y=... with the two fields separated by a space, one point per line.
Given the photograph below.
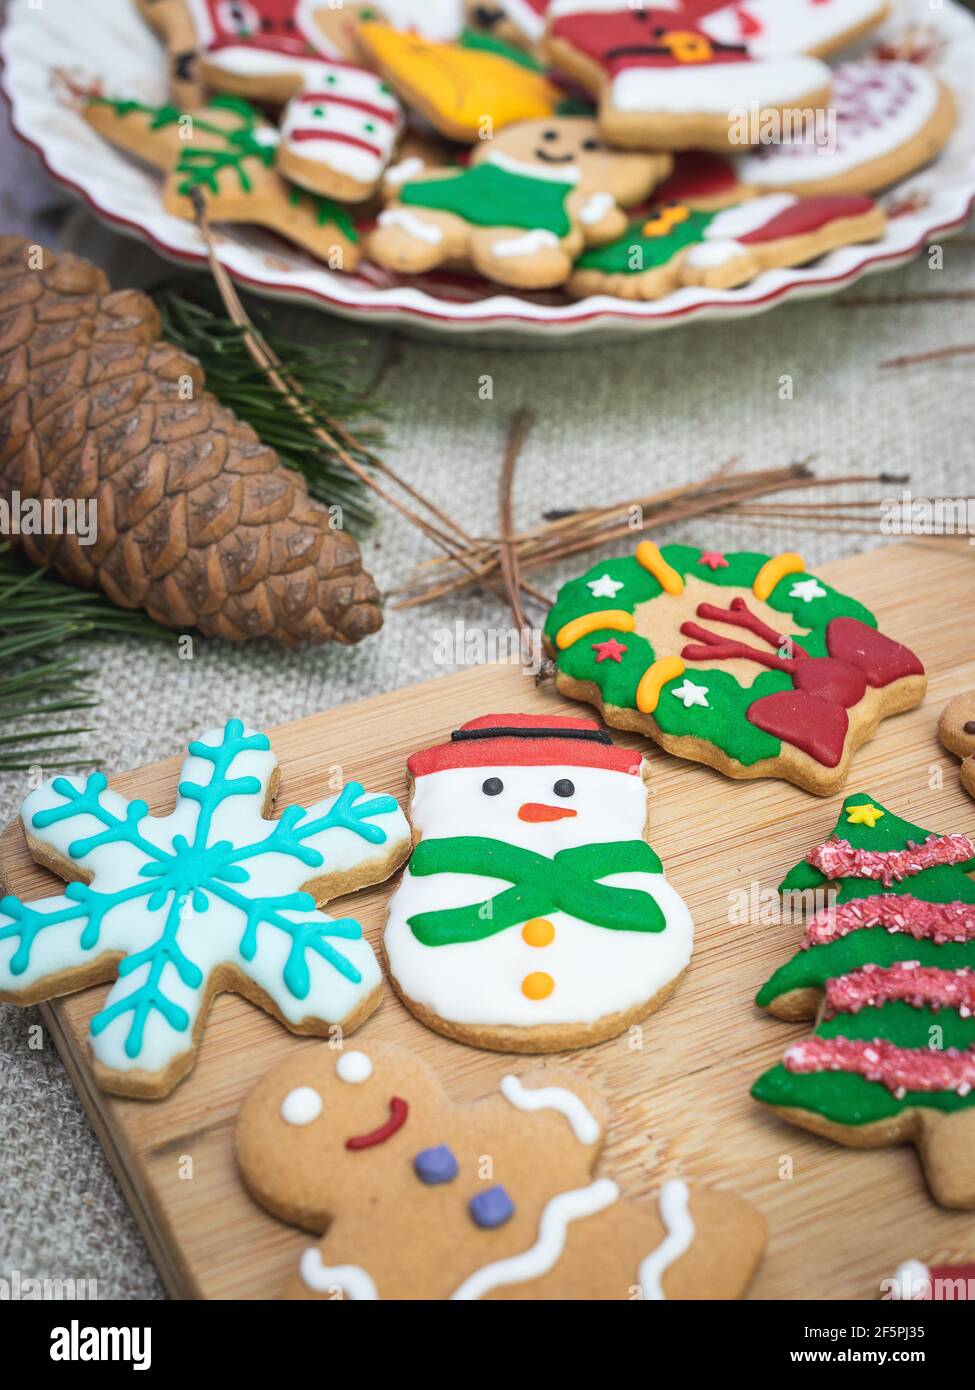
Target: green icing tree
x=825 y=1099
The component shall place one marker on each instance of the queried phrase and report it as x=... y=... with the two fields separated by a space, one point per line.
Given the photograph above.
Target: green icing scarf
x=565 y=883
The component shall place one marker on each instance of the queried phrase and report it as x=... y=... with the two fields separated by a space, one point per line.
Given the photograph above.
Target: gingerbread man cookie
x=227 y=152
x=414 y=1197
x=531 y=199
x=742 y=661
x=533 y=916
x=212 y=897
x=887 y=969
x=676 y=245
x=890 y=118
x=956 y=729
x=674 y=75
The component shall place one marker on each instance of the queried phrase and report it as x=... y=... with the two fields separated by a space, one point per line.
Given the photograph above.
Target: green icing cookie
x=634 y=252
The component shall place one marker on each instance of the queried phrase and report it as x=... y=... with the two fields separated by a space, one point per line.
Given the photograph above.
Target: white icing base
x=717 y=89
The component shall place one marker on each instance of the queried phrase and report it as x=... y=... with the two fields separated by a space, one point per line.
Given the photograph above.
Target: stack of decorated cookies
x=600 y=145
x=533 y=916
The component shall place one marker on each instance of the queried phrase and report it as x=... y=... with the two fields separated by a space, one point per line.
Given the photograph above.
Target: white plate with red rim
x=43 y=43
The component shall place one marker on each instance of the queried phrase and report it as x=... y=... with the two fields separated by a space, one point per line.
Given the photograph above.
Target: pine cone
x=198 y=522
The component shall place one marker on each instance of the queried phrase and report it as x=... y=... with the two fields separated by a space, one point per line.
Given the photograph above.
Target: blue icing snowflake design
x=211 y=896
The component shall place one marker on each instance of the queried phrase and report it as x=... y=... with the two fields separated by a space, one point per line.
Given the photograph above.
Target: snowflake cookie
x=887 y=969
x=743 y=661
x=211 y=897
x=365 y=1149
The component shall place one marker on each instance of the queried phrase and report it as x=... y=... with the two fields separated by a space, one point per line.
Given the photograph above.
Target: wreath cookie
x=742 y=661
x=674 y=74
x=890 y=118
x=887 y=969
x=365 y=1150
x=677 y=245
x=530 y=200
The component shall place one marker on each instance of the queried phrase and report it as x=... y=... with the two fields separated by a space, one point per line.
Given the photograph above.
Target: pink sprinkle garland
x=838 y=859
x=918 y=985
x=897 y=912
x=900 y=1069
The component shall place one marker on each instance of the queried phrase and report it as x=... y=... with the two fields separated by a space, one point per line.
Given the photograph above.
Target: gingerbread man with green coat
x=530 y=201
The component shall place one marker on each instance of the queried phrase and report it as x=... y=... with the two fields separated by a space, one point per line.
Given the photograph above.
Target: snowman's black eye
x=493 y=786
x=564 y=787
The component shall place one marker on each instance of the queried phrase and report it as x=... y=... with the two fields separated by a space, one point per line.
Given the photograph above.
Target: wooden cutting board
x=839 y=1220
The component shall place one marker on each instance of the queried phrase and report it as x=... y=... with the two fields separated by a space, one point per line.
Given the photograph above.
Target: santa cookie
x=212 y=897
x=364 y=1150
x=676 y=245
x=226 y=152
x=678 y=75
x=956 y=729
x=887 y=969
x=534 y=916
x=530 y=201
x=742 y=661
x=935 y=1283
x=890 y=118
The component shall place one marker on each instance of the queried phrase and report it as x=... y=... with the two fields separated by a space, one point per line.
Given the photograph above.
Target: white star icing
x=605 y=586
x=807 y=590
x=692 y=694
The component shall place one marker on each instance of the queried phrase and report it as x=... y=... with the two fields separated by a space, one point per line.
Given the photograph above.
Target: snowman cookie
x=956 y=729
x=364 y=1150
x=466 y=90
x=226 y=150
x=742 y=660
x=534 y=916
x=529 y=202
x=676 y=245
x=890 y=118
x=677 y=75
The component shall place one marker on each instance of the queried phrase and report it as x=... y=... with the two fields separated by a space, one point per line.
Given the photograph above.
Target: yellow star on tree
x=867 y=814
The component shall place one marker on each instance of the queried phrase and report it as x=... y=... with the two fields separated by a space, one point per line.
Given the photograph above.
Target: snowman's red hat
x=527 y=740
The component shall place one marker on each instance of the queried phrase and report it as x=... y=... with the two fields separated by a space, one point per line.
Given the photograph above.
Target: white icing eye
x=353 y=1067
x=301 y=1106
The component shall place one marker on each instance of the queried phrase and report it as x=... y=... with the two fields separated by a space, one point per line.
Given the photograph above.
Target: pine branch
x=193 y=318
x=39 y=614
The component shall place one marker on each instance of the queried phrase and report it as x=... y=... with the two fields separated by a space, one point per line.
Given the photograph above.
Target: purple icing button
x=491 y=1208
x=436 y=1165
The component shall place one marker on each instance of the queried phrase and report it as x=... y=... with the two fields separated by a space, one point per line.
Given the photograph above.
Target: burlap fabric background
x=611 y=422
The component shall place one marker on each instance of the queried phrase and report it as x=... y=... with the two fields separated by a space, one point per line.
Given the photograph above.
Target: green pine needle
x=39 y=614
x=192 y=319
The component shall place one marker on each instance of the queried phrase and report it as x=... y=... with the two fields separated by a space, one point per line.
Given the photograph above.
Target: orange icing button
x=613 y=618
x=648 y=555
x=775 y=570
x=538 y=985
x=538 y=932
x=653 y=681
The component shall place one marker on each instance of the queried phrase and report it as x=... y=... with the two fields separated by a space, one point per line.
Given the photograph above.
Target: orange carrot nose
x=534 y=811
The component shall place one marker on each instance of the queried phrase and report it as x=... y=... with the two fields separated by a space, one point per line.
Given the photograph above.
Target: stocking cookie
x=742 y=661
x=890 y=118
x=492 y=1200
x=676 y=246
x=956 y=729
x=467 y=90
x=227 y=152
x=888 y=971
x=529 y=202
x=213 y=897
x=534 y=916
x=673 y=75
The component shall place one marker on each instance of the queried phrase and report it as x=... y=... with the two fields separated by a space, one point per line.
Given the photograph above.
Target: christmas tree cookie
x=888 y=970
x=226 y=151
x=531 y=199
x=213 y=897
x=533 y=916
x=743 y=661
x=676 y=245
x=364 y=1150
